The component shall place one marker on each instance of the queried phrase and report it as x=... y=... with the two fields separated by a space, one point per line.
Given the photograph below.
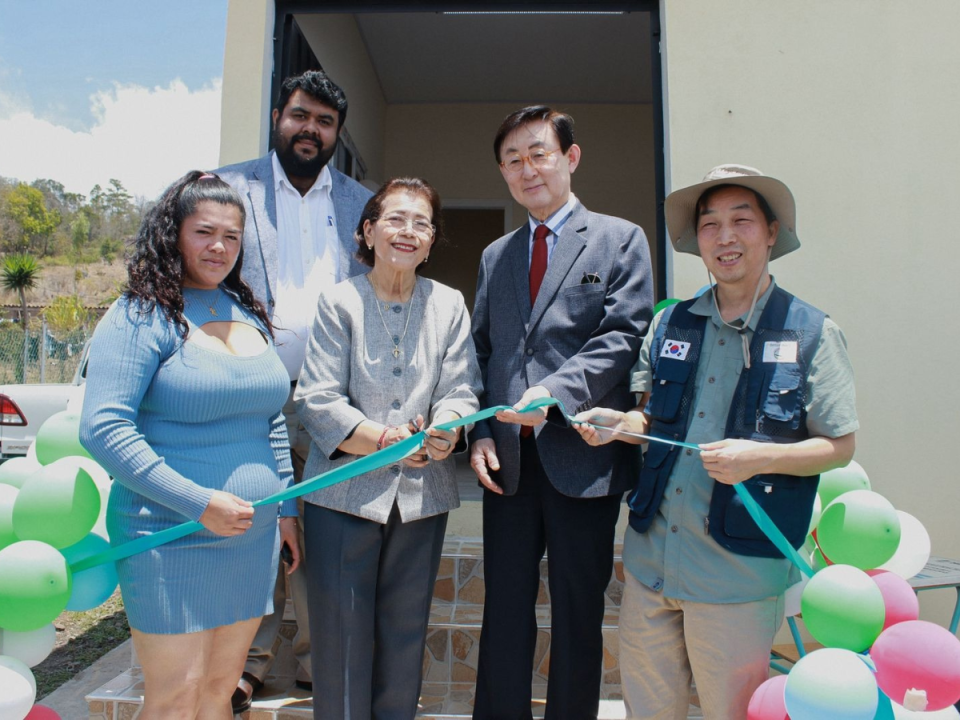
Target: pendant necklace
x=396 y=341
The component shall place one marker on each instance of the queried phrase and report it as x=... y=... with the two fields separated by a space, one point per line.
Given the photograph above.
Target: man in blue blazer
x=562 y=304
x=298 y=238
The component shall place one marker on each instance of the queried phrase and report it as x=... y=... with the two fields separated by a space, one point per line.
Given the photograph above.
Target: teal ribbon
x=397 y=452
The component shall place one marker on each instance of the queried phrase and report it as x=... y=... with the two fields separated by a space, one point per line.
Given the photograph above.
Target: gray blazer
x=350 y=375
x=255 y=182
x=579 y=341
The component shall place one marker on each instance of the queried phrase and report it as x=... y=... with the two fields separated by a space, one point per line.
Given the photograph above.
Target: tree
x=26 y=206
x=79 y=234
x=21 y=273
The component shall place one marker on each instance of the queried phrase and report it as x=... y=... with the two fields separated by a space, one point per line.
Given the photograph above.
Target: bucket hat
x=681 y=205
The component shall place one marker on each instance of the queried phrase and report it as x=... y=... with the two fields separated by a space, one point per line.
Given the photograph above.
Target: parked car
x=25 y=407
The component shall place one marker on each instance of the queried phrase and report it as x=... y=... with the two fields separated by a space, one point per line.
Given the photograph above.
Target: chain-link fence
x=38 y=355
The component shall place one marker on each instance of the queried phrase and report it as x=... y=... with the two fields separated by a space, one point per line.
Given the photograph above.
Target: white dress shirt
x=555 y=223
x=308 y=259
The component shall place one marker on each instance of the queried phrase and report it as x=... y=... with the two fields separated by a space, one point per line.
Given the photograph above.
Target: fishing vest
x=768 y=406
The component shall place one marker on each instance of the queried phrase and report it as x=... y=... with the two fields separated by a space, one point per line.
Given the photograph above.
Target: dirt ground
x=96 y=283
x=82 y=638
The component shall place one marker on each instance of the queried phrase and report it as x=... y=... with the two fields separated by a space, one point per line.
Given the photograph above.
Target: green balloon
x=8 y=496
x=35 y=585
x=859 y=528
x=15 y=471
x=665 y=304
x=58 y=505
x=835 y=483
x=842 y=607
x=59 y=437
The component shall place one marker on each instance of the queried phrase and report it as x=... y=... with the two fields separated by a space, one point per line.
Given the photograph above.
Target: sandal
x=242 y=698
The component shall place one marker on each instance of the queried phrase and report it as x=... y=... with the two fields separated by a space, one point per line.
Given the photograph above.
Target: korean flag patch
x=676 y=349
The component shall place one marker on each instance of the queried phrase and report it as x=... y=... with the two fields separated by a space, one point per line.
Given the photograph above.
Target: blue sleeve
x=126 y=351
x=281 y=450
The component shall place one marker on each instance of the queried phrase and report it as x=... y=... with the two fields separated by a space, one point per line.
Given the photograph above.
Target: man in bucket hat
x=769 y=374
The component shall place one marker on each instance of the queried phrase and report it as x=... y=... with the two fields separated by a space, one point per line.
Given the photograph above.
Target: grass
x=82 y=638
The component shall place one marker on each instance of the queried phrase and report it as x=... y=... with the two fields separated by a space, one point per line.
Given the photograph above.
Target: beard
x=295 y=165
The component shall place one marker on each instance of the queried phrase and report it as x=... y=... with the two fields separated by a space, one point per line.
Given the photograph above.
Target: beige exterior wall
x=854 y=105
x=247 y=66
x=336 y=42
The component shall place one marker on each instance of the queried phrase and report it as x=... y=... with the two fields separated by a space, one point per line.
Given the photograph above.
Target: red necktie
x=538 y=268
x=538 y=261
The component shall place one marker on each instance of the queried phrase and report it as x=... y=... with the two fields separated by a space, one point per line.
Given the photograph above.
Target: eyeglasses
x=539 y=159
x=421 y=228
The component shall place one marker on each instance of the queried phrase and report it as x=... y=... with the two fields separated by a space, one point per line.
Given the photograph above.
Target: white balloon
x=32 y=452
x=16 y=695
x=18 y=666
x=31 y=647
x=914 y=549
x=791 y=599
x=817 y=510
x=901 y=713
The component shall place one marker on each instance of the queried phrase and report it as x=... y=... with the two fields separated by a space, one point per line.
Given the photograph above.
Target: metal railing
x=39 y=355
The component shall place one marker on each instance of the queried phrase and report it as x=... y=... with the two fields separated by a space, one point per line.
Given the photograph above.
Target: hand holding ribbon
x=406 y=447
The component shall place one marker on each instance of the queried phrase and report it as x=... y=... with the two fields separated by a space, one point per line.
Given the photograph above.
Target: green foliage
x=109 y=249
x=27 y=207
x=20 y=273
x=45 y=220
x=66 y=314
x=79 y=233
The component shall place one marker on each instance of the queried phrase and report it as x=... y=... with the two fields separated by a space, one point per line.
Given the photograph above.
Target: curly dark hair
x=374 y=208
x=155 y=270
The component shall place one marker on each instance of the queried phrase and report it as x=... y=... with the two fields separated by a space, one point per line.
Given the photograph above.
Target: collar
x=556 y=220
x=324 y=180
x=704 y=306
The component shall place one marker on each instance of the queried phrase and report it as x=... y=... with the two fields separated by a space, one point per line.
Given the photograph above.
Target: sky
x=103 y=89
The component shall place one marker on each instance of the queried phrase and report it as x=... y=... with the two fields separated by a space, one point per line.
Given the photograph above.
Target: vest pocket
x=787 y=499
x=645 y=499
x=782 y=402
x=669 y=383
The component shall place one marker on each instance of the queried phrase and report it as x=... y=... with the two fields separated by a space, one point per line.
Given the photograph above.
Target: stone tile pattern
x=454 y=634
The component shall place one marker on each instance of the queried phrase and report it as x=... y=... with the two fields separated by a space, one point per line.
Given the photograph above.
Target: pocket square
x=590 y=279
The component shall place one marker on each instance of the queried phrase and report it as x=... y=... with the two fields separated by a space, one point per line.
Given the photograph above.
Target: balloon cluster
x=879 y=661
x=52 y=505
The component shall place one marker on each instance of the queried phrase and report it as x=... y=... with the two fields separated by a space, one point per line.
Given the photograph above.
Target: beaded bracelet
x=383 y=435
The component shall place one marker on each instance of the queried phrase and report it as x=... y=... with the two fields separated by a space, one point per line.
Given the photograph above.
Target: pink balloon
x=42 y=712
x=920 y=655
x=767 y=701
x=899 y=599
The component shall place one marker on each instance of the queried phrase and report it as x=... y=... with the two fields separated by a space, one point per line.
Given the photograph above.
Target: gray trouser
x=371 y=586
x=266 y=642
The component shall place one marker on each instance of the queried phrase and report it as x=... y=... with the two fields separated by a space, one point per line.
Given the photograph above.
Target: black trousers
x=370 y=589
x=578 y=536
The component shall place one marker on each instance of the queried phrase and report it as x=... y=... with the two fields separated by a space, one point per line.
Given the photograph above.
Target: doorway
x=428 y=89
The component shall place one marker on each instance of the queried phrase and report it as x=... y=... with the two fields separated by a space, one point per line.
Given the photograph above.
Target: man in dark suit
x=562 y=304
x=301 y=216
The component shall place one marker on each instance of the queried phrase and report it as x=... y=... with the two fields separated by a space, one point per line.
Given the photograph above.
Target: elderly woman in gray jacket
x=390 y=353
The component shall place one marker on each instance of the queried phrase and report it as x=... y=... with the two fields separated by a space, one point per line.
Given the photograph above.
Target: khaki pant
x=725 y=647
x=267 y=640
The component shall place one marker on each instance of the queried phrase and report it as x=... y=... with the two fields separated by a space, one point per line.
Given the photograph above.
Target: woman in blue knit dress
x=182 y=407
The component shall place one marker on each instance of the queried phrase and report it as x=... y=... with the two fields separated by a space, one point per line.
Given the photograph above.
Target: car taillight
x=9 y=412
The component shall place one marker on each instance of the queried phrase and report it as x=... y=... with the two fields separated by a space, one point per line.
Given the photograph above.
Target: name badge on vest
x=676 y=349
x=780 y=352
